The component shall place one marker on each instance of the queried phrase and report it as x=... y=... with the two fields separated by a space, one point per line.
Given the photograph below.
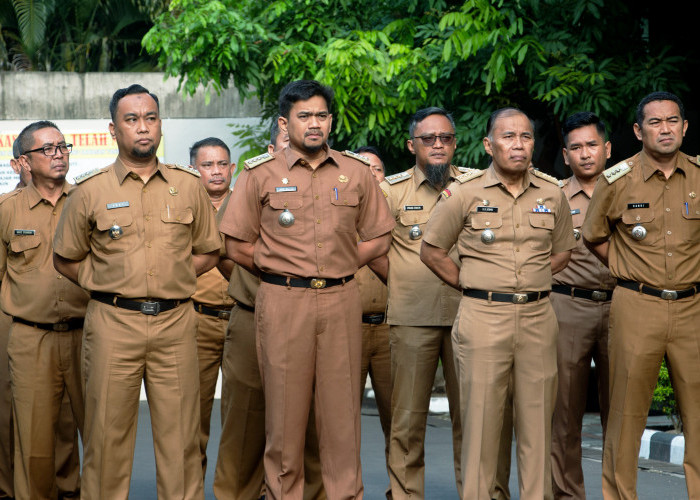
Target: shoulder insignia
x=396 y=178
x=469 y=174
x=6 y=196
x=357 y=156
x=546 y=177
x=465 y=170
x=615 y=172
x=564 y=182
x=386 y=195
x=446 y=193
x=257 y=160
x=695 y=160
x=187 y=169
x=87 y=175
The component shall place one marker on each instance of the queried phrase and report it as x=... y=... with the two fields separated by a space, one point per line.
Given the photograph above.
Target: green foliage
x=664 y=399
x=387 y=59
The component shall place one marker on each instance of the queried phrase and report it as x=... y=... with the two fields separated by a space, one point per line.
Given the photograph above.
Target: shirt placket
x=321 y=215
x=148 y=208
x=671 y=226
x=516 y=216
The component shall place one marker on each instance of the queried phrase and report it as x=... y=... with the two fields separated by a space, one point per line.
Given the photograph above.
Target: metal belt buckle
x=224 y=315
x=519 y=298
x=150 y=308
x=599 y=295
x=60 y=327
x=669 y=294
x=318 y=283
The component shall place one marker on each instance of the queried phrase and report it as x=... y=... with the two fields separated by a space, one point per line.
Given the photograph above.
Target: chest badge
x=116 y=232
x=488 y=236
x=286 y=218
x=639 y=232
x=577 y=234
x=343 y=178
x=486 y=203
x=693 y=194
x=415 y=232
x=173 y=191
x=285 y=181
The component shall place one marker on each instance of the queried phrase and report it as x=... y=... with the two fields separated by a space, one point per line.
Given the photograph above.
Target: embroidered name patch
x=119 y=204
x=492 y=210
x=575 y=211
x=285 y=189
x=24 y=232
x=412 y=207
x=637 y=205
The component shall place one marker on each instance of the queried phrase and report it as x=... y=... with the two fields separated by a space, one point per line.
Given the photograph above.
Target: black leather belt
x=146 y=306
x=515 y=298
x=373 y=319
x=245 y=307
x=210 y=311
x=583 y=293
x=656 y=292
x=64 y=326
x=316 y=283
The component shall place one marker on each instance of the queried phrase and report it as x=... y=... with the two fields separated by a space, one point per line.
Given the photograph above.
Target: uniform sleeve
x=374 y=218
x=4 y=226
x=563 y=234
x=447 y=220
x=205 y=236
x=72 y=238
x=242 y=217
x=597 y=224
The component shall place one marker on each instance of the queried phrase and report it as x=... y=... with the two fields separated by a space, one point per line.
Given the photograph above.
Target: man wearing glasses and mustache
x=421 y=309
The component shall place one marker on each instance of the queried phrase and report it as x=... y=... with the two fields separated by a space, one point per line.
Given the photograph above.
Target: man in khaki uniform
x=376 y=354
x=211 y=157
x=513 y=230
x=421 y=308
x=136 y=234
x=47 y=311
x=644 y=222
x=293 y=219
x=581 y=301
x=239 y=467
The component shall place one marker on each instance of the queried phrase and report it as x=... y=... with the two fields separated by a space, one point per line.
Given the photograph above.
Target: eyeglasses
x=51 y=149
x=429 y=140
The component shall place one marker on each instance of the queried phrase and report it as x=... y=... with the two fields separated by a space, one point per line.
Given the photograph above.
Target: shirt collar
x=121 y=171
x=293 y=158
x=576 y=187
x=420 y=178
x=34 y=197
x=648 y=169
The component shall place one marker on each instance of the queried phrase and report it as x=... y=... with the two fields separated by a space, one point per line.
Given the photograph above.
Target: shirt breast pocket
x=641 y=217
x=345 y=211
x=24 y=253
x=542 y=225
x=177 y=225
x=482 y=225
x=691 y=222
x=113 y=231
x=412 y=224
x=279 y=202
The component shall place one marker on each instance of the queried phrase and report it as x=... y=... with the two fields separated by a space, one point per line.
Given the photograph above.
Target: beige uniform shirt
x=528 y=229
x=330 y=205
x=584 y=269
x=669 y=211
x=212 y=287
x=373 y=292
x=416 y=296
x=31 y=288
x=136 y=240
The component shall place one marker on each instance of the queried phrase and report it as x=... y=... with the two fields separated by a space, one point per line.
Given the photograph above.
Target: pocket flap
x=104 y=221
x=176 y=216
x=544 y=220
x=22 y=243
x=484 y=220
x=280 y=201
x=638 y=216
x=346 y=199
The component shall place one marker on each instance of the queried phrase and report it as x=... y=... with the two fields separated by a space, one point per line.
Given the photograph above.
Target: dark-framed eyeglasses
x=50 y=150
x=429 y=140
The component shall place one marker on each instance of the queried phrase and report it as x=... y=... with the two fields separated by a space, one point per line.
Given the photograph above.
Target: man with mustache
x=293 y=219
x=211 y=157
x=45 y=341
x=421 y=309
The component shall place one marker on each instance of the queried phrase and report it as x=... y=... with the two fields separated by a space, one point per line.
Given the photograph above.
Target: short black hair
x=582 y=119
x=424 y=113
x=658 y=96
x=25 y=139
x=15 y=148
x=303 y=90
x=508 y=110
x=274 y=131
x=130 y=90
x=371 y=150
x=208 y=142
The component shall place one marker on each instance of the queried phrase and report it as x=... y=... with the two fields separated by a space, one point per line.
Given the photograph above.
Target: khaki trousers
x=415 y=352
x=583 y=335
x=309 y=347
x=239 y=468
x=44 y=366
x=211 y=333
x=494 y=342
x=122 y=348
x=642 y=330
x=376 y=362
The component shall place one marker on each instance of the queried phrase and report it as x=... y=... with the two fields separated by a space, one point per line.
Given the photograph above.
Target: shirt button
x=148 y=218
x=150 y=273
x=319 y=245
x=667 y=186
x=670 y=254
x=314 y=175
x=670 y=276
x=668 y=232
x=517 y=226
x=668 y=209
x=322 y=268
x=148 y=244
x=318 y=221
x=517 y=249
x=316 y=197
x=515 y=202
x=145 y=190
x=60 y=299
x=59 y=277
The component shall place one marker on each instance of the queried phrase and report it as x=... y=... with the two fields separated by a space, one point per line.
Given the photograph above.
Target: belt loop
x=289 y=285
x=641 y=288
x=343 y=281
x=572 y=292
x=114 y=300
x=490 y=297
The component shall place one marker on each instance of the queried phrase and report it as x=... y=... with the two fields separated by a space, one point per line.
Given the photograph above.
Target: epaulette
x=6 y=196
x=564 y=182
x=357 y=156
x=86 y=175
x=257 y=160
x=187 y=169
x=469 y=174
x=695 y=160
x=396 y=178
x=615 y=172
x=546 y=177
x=464 y=170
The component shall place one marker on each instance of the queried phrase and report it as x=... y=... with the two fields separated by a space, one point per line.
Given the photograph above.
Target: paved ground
x=656 y=479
